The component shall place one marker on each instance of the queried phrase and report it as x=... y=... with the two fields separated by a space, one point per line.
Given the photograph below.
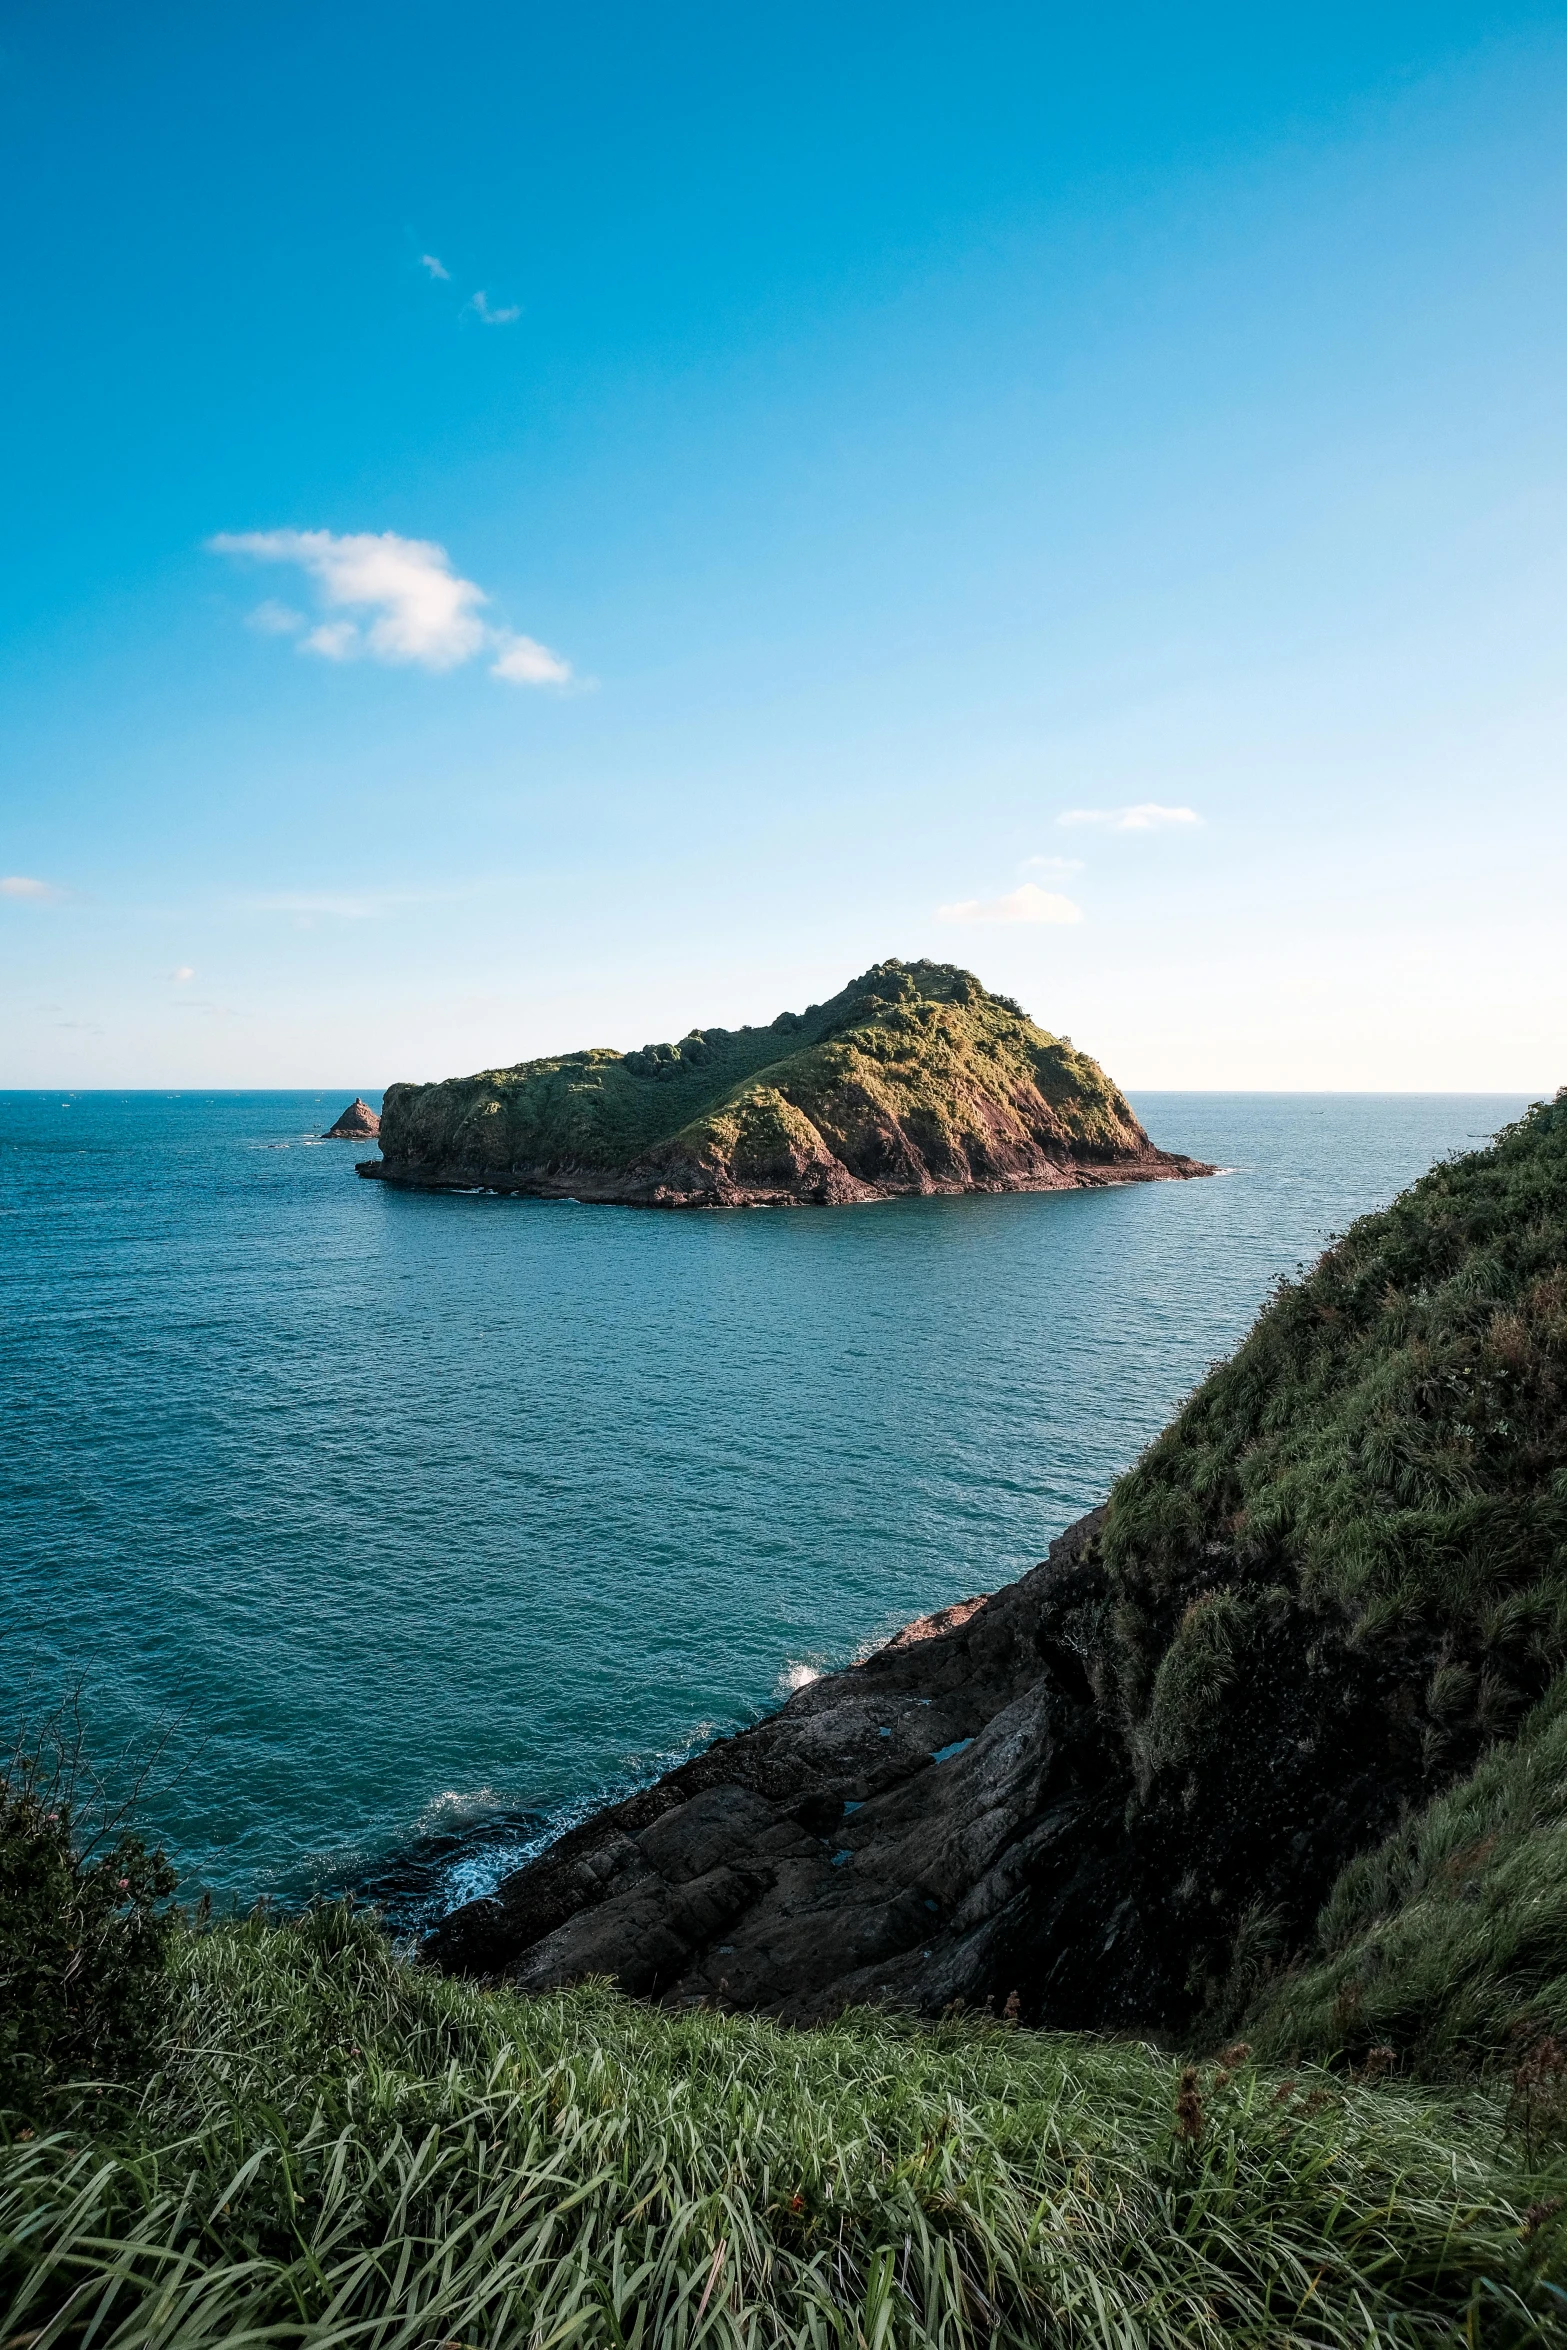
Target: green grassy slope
x=920 y=1051
x=1447 y=1941
x=339 y=2150
x=1340 y=1576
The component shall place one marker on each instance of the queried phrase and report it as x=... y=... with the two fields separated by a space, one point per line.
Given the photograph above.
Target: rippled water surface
x=421 y=1511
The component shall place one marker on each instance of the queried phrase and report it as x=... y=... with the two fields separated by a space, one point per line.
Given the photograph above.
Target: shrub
x=84 y=1930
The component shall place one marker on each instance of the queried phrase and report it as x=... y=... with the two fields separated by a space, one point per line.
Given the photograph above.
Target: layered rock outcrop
x=883 y=1837
x=963 y=1817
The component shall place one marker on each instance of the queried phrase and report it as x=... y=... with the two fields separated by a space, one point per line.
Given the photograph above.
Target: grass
x=1449 y=1939
x=920 y=1048
x=339 y=2150
x=1390 y=1442
x=1332 y=1587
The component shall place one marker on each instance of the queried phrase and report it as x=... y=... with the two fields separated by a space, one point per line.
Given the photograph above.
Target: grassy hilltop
x=913 y=1078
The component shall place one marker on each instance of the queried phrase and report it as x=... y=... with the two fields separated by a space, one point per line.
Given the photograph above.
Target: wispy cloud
x=437 y=269
x=418 y=610
x=522 y=660
x=344 y=909
x=184 y=972
x=481 y=309
x=22 y=885
x=274 y=619
x=1052 y=864
x=206 y=1010
x=338 y=640
x=1147 y=816
x=1028 y=904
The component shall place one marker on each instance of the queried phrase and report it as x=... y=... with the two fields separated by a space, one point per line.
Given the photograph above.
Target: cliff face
x=913 y=1079
x=957 y=1818
x=1125 y=1786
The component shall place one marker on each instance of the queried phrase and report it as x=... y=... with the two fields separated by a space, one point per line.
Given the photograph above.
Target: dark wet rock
x=878 y=1838
x=961 y=1817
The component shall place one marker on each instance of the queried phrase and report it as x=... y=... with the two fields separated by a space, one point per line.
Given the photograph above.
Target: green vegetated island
x=1169 y=1949
x=913 y=1079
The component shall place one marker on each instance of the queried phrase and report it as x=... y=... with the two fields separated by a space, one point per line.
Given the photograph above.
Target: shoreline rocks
x=963 y=1816
x=705 y=1187
x=876 y=1839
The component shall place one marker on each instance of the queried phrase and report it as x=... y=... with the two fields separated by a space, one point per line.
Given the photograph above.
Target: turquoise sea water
x=428 y=1518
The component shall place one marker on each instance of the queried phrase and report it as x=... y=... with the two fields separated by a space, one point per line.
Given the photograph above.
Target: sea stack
x=913 y=1079
x=357 y=1122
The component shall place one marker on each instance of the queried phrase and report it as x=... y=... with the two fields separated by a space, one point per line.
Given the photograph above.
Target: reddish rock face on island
x=913 y=1079
x=357 y=1123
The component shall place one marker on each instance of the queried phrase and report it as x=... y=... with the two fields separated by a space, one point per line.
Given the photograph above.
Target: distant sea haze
x=427 y=1519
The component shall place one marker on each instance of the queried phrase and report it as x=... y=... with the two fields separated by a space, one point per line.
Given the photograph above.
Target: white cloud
x=185 y=971
x=274 y=619
x=1147 y=816
x=436 y=268
x=334 y=640
x=415 y=607
x=424 y=612
x=1052 y=864
x=21 y=885
x=481 y=309
x=521 y=660
x=1028 y=904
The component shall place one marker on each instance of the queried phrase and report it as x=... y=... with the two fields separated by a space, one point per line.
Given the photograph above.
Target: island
x=913 y=1079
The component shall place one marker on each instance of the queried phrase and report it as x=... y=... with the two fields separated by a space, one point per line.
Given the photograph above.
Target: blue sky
x=531 y=527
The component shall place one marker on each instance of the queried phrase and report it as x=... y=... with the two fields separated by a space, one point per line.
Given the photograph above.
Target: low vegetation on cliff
x=914 y=1078
x=1338 y=1581
x=1448 y=1940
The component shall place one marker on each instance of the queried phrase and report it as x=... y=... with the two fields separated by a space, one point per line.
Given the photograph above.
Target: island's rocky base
x=819 y=1181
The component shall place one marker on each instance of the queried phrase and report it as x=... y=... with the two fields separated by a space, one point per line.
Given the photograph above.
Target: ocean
x=389 y=1531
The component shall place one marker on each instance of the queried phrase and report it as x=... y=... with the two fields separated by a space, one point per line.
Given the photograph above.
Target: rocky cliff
x=873 y=1840
x=913 y=1079
x=953 y=1819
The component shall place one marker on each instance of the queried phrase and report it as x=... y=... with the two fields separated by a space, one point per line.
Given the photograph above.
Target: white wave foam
x=796 y=1677
x=454 y=1807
